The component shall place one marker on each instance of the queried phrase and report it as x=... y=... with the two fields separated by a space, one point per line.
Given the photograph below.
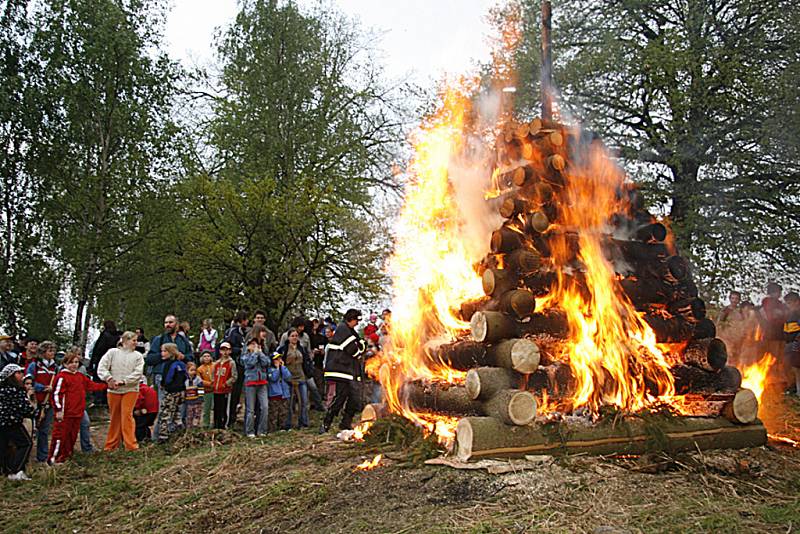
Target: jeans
x=160 y=391
x=300 y=388
x=251 y=395
x=86 y=436
x=43 y=433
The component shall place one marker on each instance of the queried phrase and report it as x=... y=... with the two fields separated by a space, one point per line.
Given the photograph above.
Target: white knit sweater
x=126 y=367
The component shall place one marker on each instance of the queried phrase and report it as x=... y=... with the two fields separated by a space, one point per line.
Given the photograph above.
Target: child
x=205 y=374
x=69 y=403
x=208 y=336
x=194 y=396
x=15 y=442
x=174 y=384
x=279 y=393
x=27 y=384
x=256 y=365
x=223 y=376
x=43 y=371
x=145 y=411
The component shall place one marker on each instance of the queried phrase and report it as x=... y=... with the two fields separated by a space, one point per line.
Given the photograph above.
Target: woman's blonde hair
x=172 y=349
x=44 y=346
x=127 y=336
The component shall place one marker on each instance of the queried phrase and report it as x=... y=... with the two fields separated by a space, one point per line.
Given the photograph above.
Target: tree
x=30 y=284
x=105 y=149
x=301 y=138
x=702 y=92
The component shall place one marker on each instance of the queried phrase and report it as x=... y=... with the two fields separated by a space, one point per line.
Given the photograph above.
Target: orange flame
x=754 y=377
x=431 y=265
x=361 y=430
x=368 y=465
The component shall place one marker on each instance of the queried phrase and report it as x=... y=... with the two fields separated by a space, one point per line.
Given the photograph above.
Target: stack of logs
x=515 y=352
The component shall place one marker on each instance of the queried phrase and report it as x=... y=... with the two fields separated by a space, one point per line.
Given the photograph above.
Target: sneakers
x=19 y=476
x=251 y=435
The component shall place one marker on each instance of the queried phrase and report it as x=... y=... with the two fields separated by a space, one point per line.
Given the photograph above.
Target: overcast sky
x=421 y=38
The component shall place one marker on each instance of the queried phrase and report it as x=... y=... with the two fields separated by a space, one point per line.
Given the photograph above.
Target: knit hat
x=9 y=370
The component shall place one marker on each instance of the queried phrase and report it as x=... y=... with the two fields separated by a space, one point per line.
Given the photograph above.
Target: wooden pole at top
x=547 y=62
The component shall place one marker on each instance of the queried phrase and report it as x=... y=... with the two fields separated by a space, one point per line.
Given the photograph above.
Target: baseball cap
x=225 y=344
x=351 y=314
x=276 y=355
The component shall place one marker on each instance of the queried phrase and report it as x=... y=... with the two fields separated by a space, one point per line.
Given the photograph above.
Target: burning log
x=556 y=378
x=557 y=162
x=497 y=282
x=484 y=382
x=709 y=354
x=480 y=437
x=637 y=252
x=541 y=282
x=678 y=267
x=524 y=261
x=493 y=326
x=518 y=302
x=651 y=232
x=510 y=406
x=705 y=328
x=537 y=222
x=740 y=407
x=691 y=379
x=670 y=330
x=505 y=240
x=521 y=355
x=522 y=175
x=512 y=206
x=469 y=307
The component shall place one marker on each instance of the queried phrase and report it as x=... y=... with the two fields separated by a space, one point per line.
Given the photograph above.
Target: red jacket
x=69 y=392
x=43 y=376
x=147 y=400
x=221 y=374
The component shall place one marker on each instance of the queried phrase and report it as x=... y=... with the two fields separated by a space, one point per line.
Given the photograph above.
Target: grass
x=301 y=482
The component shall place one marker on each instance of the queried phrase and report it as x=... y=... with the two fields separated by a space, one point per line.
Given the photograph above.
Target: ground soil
x=298 y=481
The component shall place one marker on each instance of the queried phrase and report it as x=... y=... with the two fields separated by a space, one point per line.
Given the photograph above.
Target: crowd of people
x=750 y=331
x=155 y=388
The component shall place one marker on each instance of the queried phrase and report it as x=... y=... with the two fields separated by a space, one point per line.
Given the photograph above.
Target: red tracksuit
x=69 y=397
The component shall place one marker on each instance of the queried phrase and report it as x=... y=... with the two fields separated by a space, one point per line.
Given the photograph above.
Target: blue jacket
x=153 y=357
x=256 y=365
x=279 y=382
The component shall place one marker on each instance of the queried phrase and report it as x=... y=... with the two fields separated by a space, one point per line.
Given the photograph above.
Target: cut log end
x=525 y=356
x=743 y=408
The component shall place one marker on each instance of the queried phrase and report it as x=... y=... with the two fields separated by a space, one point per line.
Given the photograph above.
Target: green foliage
x=105 y=146
x=277 y=211
x=705 y=94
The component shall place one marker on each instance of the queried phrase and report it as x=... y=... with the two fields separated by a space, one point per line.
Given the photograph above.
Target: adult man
x=343 y=367
x=270 y=342
x=108 y=339
x=154 y=360
x=7 y=355
x=142 y=345
x=235 y=336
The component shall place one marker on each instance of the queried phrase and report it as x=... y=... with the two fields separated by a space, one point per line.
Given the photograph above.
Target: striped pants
x=63 y=441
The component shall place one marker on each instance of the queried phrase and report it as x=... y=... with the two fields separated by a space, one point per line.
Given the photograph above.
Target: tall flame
x=432 y=262
x=612 y=351
x=754 y=377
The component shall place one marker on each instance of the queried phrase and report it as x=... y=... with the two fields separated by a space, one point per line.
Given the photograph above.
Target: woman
x=297 y=361
x=122 y=369
x=15 y=442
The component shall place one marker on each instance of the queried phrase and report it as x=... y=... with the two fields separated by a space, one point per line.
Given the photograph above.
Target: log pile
x=516 y=352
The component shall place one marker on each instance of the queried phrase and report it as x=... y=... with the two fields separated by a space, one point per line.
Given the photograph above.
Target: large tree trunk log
x=673 y=330
x=493 y=326
x=480 y=437
x=678 y=267
x=651 y=232
x=511 y=406
x=523 y=261
x=519 y=303
x=740 y=407
x=690 y=379
x=506 y=240
x=555 y=378
x=373 y=412
x=498 y=281
x=484 y=382
x=709 y=354
x=508 y=405
x=521 y=355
